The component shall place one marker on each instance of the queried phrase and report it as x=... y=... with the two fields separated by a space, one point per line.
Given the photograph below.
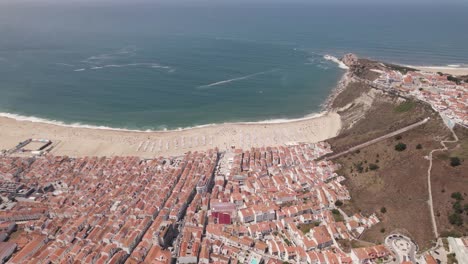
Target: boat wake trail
x=207 y=86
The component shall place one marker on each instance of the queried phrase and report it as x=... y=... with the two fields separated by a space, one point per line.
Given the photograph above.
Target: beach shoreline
x=82 y=141
x=340 y=87
x=38 y=120
x=86 y=140
x=456 y=71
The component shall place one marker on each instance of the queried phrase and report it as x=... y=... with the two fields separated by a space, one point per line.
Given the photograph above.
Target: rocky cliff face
x=350 y=59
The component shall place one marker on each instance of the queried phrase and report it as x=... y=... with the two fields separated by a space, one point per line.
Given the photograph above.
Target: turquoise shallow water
x=152 y=67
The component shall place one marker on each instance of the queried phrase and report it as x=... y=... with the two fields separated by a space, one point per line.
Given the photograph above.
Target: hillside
x=390 y=182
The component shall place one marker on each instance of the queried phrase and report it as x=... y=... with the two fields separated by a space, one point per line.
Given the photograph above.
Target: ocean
x=153 y=67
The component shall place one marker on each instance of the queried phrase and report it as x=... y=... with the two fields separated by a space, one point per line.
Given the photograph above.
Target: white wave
x=454 y=65
x=64 y=64
x=160 y=129
x=127 y=50
x=234 y=79
x=78 y=70
x=337 y=61
x=151 y=65
x=60 y=123
x=286 y=120
x=123 y=52
x=98 y=58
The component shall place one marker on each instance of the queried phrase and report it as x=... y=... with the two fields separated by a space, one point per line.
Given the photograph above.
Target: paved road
x=431 y=206
x=373 y=141
x=402 y=246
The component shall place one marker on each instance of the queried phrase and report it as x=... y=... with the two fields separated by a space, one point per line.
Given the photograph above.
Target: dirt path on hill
x=434 y=224
x=370 y=142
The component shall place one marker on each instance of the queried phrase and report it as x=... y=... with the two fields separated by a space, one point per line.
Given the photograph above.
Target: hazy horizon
x=237 y=2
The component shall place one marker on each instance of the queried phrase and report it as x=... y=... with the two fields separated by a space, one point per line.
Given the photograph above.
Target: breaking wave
x=60 y=123
x=336 y=60
x=159 y=128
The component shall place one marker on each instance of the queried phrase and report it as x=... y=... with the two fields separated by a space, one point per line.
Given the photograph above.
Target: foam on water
x=65 y=64
x=60 y=123
x=159 y=128
x=234 y=79
x=336 y=60
x=79 y=70
x=150 y=65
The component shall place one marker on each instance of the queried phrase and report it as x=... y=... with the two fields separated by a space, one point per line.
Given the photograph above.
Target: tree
x=453 y=79
x=455 y=161
x=382 y=230
x=457 y=207
x=400 y=147
x=398 y=137
x=457 y=196
x=419 y=146
x=456 y=219
x=383 y=210
x=359 y=167
x=373 y=166
x=338 y=203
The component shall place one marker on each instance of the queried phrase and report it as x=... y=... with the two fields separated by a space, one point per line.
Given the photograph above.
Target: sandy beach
x=74 y=141
x=448 y=70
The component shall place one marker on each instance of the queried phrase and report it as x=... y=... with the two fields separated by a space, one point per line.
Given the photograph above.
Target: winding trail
x=431 y=206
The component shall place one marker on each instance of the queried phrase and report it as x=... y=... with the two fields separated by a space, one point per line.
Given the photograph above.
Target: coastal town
x=262 y=205
x=445 y=93
x=233 y=132
x=261 y=193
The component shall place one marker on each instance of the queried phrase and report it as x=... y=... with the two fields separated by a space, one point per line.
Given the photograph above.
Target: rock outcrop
x=350 y=59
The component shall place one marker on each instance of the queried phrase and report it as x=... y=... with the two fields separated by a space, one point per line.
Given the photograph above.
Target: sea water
x=152 y=66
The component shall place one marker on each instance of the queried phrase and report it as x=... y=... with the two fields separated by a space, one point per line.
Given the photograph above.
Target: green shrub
x=405 y=107
x=400 y=147
x=455 y=161
x=457 y=196
x=455 y=219
x=419 y=146
x=359 y=167
x=457 y=207
x=373 y=166
x=338 y=203
x=383 y=210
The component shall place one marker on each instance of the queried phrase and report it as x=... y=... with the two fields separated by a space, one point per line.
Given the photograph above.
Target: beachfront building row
x=262 y=205
x=445 y=94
